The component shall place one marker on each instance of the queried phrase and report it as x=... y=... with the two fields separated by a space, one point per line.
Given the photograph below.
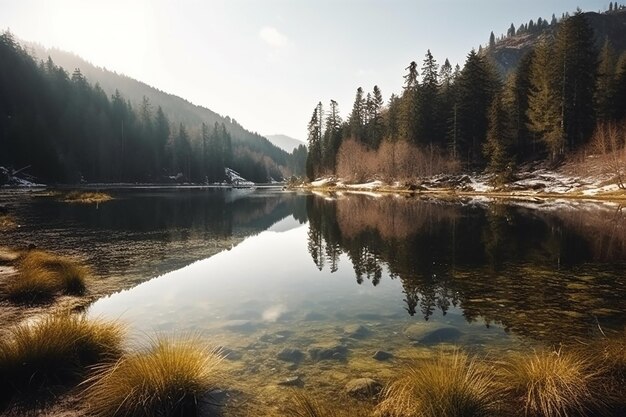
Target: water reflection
x=549 y=272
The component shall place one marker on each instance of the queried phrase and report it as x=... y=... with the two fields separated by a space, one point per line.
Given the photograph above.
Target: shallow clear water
x=338 y=277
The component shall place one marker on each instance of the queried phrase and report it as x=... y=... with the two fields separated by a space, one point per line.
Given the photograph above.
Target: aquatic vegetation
x=42 y=275
x=449 y=385
x=87 y=197
x=168 y=377
x=552 y=383
x=54 y=351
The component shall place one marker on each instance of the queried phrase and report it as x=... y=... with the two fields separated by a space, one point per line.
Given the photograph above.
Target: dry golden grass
x=303 y=405
x=42 y=275
x=87 y=197
x=54 y=351
x=552 y=383
x=168 y=378
x=7 y=222
x=449 y=385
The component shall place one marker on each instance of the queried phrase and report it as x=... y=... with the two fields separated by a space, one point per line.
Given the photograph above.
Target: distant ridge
x=177 y=109
x=284 y=142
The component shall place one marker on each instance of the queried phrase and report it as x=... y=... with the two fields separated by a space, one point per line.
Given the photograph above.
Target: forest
x=563 y=94
x=62 y=129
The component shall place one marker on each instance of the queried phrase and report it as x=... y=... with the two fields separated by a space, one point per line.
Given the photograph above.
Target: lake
x=298 y=284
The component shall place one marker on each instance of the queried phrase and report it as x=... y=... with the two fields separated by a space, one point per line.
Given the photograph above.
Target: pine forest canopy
x=69 y=130
x=476 y=117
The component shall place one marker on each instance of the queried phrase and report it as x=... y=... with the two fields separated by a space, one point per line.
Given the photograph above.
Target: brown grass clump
x=42 y=275
x=87 y=197
x=7 y=222
x=305 y=406
x=451 y=385
x=54 y=351
x=552 y=383
x=169 y=377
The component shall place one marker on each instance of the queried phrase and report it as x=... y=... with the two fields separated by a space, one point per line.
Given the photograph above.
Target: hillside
x=177 y=109
x=509 y=50
x=284 y=142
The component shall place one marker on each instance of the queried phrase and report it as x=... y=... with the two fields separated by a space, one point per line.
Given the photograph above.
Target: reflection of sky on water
x=266 y=278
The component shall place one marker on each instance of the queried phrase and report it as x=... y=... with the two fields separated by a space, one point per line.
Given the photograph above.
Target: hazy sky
x=267 y=63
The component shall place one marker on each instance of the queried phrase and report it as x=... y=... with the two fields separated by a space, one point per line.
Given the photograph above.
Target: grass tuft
x=54 y=351
x=303 y=405
x=449 y=385
x=552 y=383
x=42 y=275
x=169 y=378
x=87 y=197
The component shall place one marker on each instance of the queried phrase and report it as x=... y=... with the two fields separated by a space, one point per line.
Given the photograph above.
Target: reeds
x=168 y=377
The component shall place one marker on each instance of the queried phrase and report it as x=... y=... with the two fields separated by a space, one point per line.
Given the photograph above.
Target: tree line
x=67 y=130
x=546 y=108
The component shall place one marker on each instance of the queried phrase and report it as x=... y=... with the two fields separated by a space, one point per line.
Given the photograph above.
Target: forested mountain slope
x=68 y=127
x=507 y=50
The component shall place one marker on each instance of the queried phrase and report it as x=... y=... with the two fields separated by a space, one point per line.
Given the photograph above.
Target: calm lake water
x=295 y=284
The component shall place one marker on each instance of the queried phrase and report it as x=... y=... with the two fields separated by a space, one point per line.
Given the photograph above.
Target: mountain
x=254 y=146
x=284 y=142
x=507 y=51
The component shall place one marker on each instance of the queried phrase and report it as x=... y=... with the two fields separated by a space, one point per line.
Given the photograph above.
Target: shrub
x=168 y=377
x=87 y=197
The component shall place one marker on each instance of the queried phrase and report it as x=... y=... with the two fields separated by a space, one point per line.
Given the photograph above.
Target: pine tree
x=511 y=32
x=427 y=117
x=477 y=85
x=605 y=83
x=576 y=64
x=544 y=108
x=357 y=117
x=410 y=103
x=492 y=41
x=332 y=137
x=497 y=148
x=376 y=126
x=314 y=157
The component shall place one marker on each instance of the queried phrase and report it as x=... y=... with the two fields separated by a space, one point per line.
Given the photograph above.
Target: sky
x=266 y=63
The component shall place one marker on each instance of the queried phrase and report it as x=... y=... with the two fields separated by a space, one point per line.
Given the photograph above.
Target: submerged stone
x=315 y=316
x=363 y=388
x=337 y=352
x=432 y=333
x=229 y=354
x=381 y=355
x=293 y=381
x=356 y=331
x=240 y=326
x=290 y=355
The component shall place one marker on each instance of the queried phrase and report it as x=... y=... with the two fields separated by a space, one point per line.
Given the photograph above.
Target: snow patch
x=234 y=178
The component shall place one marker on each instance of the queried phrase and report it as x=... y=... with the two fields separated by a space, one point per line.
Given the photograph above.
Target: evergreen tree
x=576 y=64
x=492 y=41
x=376 y=126
x=427 y=111
x=605 y=83
x=477 y=85
x=511 y=32
x=314 y=157
x=332 y=137
x=357 y=117
x=410 y=103
x=544 y=108
x=497 y=148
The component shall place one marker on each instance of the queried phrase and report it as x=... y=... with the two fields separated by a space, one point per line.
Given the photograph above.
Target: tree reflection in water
x=545 y=272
